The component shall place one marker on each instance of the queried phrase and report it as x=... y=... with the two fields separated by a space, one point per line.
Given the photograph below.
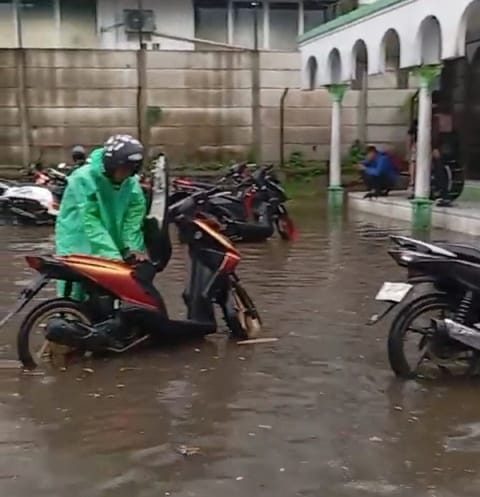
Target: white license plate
x=393 y=292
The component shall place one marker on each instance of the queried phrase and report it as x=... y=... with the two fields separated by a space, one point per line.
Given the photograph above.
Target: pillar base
x=335 y=197
x=422 y=213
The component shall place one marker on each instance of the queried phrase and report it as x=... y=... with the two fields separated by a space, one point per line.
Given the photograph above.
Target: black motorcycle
x=438 y=304
x=250 y=207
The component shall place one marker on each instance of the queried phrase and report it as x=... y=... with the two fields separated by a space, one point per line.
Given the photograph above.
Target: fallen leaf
x=88 y=370
x=239 y=478
x=188 y=451
x=120 y=385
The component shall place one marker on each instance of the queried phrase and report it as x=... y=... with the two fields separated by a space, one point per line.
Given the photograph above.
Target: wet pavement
x=317 y=413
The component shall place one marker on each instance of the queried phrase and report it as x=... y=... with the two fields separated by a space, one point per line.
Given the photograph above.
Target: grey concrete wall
x=205 y=102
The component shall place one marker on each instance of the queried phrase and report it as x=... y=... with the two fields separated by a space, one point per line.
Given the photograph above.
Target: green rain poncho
x=97 y=217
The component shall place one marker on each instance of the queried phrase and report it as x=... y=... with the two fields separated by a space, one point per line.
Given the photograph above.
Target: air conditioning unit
x=136 y=20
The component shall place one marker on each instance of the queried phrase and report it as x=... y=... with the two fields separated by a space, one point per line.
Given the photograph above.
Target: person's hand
x=360 y=167
x=139 y=256
x=133 y=257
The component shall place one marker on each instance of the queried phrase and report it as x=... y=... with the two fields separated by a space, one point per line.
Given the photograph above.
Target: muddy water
x=316 y=413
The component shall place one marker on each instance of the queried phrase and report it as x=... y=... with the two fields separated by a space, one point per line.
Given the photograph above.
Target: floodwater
x=317 y=413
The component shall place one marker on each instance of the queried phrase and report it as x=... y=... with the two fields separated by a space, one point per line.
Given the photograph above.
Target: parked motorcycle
x=250 y=209
x=124 y=309
x=443 y=289
x=30 y=204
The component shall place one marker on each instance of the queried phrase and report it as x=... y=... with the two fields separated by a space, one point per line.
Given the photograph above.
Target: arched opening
x=360 y=83
x=430 y=37
x=390 y=58
x=359 y=64
x=462 y=89
x=312 y=72
x=334 y=67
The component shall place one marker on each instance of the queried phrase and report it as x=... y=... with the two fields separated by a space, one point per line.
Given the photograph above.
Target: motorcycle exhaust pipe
x=76 y=335
x=459 y=332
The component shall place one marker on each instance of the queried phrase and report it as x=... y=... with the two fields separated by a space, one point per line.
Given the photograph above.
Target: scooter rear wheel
x=34 y=323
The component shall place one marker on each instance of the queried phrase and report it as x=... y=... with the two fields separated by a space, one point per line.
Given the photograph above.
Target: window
x=283 y=25
x=211 y=20
x=78 y=23
x=39 y=27
x=245 y=16
x=314 y=14
x=7 y=26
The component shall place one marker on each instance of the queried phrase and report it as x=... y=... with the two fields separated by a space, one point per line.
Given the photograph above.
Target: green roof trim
x=354 y=15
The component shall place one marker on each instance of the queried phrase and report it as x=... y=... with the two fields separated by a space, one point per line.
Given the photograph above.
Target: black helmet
x=79 y=153
x=122 y=150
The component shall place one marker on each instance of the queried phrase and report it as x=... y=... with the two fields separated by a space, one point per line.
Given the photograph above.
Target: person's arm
x=374 y=168
x=132 y=229
x=101 y=242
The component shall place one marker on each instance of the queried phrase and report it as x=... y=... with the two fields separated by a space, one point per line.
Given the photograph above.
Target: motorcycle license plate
x=393 y=292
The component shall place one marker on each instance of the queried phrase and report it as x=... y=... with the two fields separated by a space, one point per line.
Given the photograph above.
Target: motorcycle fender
x=376 y=318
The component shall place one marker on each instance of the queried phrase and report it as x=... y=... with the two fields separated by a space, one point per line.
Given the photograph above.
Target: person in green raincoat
x=103 y=207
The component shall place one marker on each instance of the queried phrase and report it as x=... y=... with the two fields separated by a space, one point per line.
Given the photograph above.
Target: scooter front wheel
x=32 y=347
x=240 y=314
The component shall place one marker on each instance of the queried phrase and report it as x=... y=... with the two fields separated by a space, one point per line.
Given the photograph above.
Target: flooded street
x=317 y=413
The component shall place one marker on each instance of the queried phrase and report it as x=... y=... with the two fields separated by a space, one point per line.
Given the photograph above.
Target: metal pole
x=18 y=23
x=282 y=128
x=140 y=27
x=255 y=25
x=256 y=119
x=21 y=86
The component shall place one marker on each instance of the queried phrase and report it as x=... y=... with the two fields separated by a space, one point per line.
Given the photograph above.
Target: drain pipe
x=282 y=128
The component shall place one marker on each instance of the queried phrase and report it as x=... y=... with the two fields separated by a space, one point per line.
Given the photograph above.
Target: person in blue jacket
x=379 y=172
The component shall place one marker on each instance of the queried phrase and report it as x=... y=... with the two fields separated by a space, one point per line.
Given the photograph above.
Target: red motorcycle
x=124 y=308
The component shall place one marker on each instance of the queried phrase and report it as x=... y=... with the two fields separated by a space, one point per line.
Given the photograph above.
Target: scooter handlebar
x=187 y=205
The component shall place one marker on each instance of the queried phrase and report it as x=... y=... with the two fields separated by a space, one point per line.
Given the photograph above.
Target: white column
x=424 y=141
x=335 y=144
x=266 y=24
x=337 y=91
x=230 y=26
x=301 y=18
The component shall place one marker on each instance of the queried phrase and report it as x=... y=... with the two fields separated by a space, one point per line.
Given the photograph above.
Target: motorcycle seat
x=464 y=252
x=225 y=199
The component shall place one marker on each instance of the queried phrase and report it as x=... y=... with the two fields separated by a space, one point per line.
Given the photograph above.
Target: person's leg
x=368 y=180
x=77 y=291
x=440 y=182
x=411 y=170
x=372 y=184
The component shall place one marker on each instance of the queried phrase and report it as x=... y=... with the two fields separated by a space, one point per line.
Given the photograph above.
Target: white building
x=437 y=40
x=110 y=24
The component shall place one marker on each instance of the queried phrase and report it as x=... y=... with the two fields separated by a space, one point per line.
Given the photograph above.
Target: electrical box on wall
x=136 y=20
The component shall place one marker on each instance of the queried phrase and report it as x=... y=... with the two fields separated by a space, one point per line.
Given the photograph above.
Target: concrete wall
x=205 y=98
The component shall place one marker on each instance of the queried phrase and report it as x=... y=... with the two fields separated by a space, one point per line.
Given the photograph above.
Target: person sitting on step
x=378 y=172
